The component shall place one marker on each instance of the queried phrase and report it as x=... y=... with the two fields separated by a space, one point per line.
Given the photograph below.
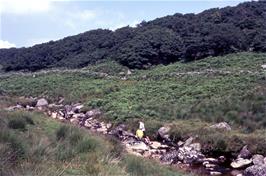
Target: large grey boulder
x=163 y=133
x=42 y=102
x=255 y=170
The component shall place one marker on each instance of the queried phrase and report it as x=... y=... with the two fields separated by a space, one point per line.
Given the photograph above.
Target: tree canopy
x=164 y=40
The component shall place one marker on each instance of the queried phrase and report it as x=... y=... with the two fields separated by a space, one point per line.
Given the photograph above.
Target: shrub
x=86 y=145
x=62 y=132
x=17 y=123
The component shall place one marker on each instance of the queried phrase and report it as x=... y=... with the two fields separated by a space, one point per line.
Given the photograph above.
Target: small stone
x=222 y=126
x=54 y=115
x=215 y=173
x=240 y=163
x=188 y=141
x=196 y=146
x=180 y=143
x=74 y=121
x=210 y=165
x=108 y=125
x=258 y=159
x=244 y=153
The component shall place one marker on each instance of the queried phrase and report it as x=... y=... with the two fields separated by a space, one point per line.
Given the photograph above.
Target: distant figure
x=141 y=126
x=140 y=133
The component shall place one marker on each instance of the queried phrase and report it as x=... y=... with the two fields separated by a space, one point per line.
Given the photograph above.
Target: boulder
x=196 y=146
x=263 y=66
x=188 y=141
x=139 y=146
x=74 y=121
x=155 y=144
x=93 y=113
x=79 y=115
x=258 y=159
x=190 y=156
x=222 y=126
x=244 y=153
x=77 y=108
x=240 y=163
x=170 y=157
x=163 y=133
x=255 y=170
x=42 y=102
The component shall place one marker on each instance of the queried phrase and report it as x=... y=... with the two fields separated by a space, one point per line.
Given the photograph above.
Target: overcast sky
x=29 y=22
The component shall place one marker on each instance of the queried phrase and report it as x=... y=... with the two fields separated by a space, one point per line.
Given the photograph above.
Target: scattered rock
x=240 y=163
x=215 y=173
x=42 y=102
x=155 y=144
x=211 y=160
x=190 y=156
x=139 y=146
x=79 y=116
x=163 y=133
x=77 y=108
x=222 y=126
x=236 y=173
x=180 y=143
x=108 y=125
x=196 y=146
x=170 y=157
x=129 y=72
x=255 y=170
x=74 y=121
x=188 y=141
x=258 y=160
x=54 y=115
x=244 y=153
x=93 y=113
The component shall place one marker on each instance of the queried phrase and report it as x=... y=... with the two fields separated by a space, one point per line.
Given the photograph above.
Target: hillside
x=229 y=88
x=164 y=40
x=32 y=144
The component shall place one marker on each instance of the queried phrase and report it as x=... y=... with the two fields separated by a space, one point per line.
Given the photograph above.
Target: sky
x=24 y=23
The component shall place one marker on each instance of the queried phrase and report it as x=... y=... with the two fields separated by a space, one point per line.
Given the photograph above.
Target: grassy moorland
x=189 y=96
x=32 y=144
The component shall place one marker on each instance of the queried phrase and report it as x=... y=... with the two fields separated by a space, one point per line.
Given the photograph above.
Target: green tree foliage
x=161 y=41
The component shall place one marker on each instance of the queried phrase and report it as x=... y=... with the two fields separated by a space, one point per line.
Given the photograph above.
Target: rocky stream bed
x=185 y=155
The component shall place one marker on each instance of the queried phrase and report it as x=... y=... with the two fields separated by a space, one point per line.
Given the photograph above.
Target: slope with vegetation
x=189 y=96
x=161 y=41
x=32 y=144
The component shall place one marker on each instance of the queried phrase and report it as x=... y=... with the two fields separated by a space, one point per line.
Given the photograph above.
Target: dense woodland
x=162 y=41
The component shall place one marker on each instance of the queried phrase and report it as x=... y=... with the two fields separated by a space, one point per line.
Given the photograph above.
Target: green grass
x=47 y=147
x=235 y=91
x=237 y=97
